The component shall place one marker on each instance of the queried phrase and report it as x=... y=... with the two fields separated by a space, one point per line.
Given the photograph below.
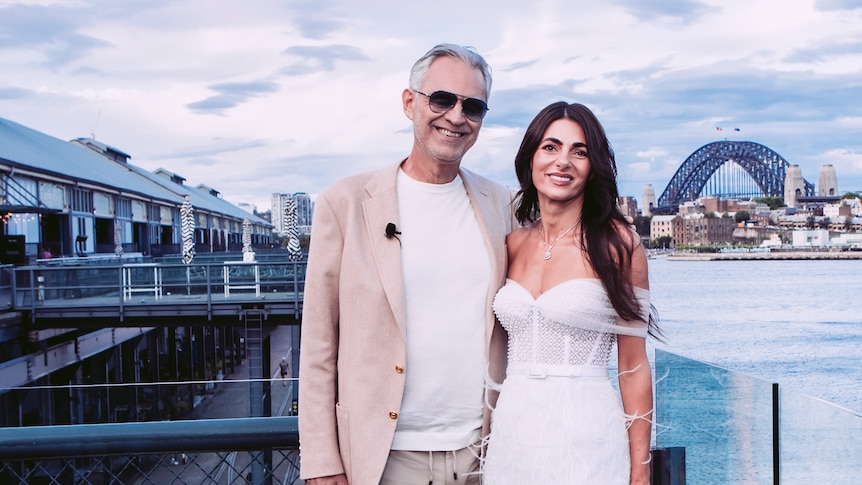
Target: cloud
x=317 y=19
x=516 y=107
x=652 y=154
x=230 y=95
x=675 y=10
x=216 y=147
x=15 y=93
x=639 y=168
x=519 y=65
x=659 y=75
x=52 y=31
x=845 y=161
x=838 y=5
x=320 y=58
x=825 y=52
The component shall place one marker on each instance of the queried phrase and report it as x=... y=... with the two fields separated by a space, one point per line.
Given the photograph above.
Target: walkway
x=231 y=400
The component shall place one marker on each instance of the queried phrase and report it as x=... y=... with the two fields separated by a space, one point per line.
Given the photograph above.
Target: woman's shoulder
x=516 y=241
x=518 y=235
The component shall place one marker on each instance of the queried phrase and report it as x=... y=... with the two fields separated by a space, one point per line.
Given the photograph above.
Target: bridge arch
x=766 y=167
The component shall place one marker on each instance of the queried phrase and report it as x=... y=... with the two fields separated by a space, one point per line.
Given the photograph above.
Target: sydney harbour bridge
x=730 y=170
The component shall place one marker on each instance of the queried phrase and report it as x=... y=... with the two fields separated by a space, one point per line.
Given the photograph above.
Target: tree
x=772 y=202
x=742 y=216
x=662 y=242
x=852 y=195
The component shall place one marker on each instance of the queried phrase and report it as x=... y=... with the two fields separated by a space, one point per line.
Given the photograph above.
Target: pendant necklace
x=549 y=247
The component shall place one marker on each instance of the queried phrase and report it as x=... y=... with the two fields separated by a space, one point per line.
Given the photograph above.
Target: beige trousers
x=459 y=467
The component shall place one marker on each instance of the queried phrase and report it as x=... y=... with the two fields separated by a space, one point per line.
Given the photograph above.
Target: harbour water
x=797 y=323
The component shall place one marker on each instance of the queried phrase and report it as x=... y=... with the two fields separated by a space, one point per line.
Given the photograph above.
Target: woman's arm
x=635 y=379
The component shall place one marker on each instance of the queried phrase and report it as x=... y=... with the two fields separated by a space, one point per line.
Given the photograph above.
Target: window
x=124 y=208
x=82 y=200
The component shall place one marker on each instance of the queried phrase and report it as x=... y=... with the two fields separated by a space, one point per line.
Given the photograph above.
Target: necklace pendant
x=547 y=255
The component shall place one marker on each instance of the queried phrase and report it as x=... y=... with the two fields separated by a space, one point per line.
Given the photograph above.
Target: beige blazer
x=352 y=350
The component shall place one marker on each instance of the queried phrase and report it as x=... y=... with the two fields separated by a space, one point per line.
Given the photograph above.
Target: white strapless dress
x=558 y=419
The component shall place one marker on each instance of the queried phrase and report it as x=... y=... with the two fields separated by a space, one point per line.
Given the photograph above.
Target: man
x=397 y=329
x=284 y=369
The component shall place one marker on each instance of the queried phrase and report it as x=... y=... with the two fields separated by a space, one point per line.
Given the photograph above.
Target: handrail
x=33 y=287
x=228 y=434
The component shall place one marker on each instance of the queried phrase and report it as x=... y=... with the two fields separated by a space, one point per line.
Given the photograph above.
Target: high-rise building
x=304 y=211
x=278 y=203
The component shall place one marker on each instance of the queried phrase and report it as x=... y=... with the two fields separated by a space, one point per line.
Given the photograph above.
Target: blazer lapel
x=380 y=209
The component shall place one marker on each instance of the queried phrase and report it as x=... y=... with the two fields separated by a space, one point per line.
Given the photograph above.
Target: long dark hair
x=601 y=220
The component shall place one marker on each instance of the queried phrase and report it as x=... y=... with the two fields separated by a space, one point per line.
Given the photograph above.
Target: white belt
x=535 y=371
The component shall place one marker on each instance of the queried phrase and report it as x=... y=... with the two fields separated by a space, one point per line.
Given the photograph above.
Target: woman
x=577 y=283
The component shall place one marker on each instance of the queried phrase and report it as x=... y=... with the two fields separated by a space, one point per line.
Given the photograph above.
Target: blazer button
x=399 y=369
x=393 y=415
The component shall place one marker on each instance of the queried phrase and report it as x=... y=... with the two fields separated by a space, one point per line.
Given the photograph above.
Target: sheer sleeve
x=636 y=328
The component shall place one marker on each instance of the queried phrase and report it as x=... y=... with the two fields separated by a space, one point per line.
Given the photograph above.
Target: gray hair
x=468 y=55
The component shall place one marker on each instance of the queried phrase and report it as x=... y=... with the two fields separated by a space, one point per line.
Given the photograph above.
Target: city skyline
x=286 y=97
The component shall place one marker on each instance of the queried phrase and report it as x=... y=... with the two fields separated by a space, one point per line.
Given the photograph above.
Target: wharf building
x=80 y=204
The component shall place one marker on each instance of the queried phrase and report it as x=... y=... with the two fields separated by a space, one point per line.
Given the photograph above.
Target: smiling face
x=442 y=139
x=561 y=163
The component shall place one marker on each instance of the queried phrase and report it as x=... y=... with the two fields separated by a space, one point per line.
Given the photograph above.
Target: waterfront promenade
x=763 y=255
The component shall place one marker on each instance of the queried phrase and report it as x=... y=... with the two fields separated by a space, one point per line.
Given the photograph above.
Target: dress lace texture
x=572 y=323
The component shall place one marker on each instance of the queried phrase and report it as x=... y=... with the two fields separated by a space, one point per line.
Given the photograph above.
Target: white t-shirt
x=447 y=272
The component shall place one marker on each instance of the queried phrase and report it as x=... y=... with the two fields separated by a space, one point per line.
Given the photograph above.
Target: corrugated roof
x=200 y=199
x=24 y=147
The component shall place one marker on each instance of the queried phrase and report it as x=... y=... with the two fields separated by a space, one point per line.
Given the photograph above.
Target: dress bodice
x=571 y=324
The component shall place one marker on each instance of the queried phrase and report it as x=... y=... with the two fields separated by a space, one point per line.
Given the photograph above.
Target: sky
x=260 y=97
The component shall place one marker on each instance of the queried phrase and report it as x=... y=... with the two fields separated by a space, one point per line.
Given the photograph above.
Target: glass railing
x=156 y=283
x=739 y=429
x=819 y=442
x=733 y=429
x=146 y=401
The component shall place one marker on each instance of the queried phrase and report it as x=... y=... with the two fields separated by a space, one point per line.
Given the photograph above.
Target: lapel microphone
x=391 y=231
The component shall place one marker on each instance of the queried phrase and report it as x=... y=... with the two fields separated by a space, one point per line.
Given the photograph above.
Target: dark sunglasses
x=442 y=101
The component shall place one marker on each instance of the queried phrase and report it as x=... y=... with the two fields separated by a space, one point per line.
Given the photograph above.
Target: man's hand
x=331 y=480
